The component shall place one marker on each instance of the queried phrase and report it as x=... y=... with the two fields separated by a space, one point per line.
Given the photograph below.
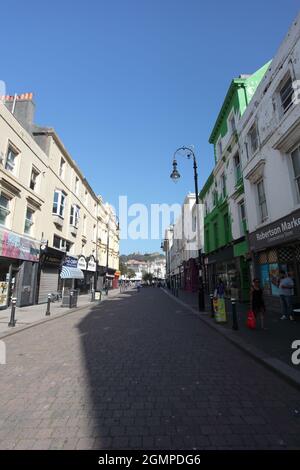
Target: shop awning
x=71 y=273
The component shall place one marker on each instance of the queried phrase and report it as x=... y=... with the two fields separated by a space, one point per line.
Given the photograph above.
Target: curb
x=272 y=363
x=40 y=322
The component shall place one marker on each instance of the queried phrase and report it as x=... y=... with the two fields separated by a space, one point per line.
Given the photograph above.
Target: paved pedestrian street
x=139 y=372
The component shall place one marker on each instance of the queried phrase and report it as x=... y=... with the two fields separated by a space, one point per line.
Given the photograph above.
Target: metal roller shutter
x=48 y=283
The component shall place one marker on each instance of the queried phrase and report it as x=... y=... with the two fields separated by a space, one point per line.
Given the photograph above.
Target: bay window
x=59 y=203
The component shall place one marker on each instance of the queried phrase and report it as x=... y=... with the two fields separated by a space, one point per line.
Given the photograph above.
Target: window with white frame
x=29 y=220
x=59 y=203
x=84 y=225
x=4 y=209
x=11 y=159
x=33 y=179
x=62 y=167
x=86 y=197
x=262 y=202
x=74 y=215
x=286 y=92
x=94 y=233
x=253 y=139
x=95 y=209
x=62 y=244
x=295 y=156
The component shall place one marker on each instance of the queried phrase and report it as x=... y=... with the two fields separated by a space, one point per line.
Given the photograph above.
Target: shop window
x=28 y=227
x=262 y=258
x=11 y=159
x=286 y=254
x=4 y=209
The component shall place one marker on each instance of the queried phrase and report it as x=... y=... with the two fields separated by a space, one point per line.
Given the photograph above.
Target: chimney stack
x=22 y=107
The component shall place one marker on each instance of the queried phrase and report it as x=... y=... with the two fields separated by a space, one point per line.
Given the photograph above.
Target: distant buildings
x=55 y=231
x=155 y=266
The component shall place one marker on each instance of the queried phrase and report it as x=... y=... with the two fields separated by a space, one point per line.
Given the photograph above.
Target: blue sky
x=125 y=82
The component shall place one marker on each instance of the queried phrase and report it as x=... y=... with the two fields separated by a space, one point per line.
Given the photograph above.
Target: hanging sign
x=81 y=263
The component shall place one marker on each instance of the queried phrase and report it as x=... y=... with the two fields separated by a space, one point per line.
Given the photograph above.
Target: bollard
x=235 y=325
x=48 y=304
x=71 y=299
x=212 y=305
x=12 y=321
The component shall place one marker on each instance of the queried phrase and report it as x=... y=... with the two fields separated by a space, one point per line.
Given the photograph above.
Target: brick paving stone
x=139 y=375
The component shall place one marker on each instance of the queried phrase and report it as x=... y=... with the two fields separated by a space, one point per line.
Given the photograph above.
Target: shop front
x=19 y=257
x=222 y=265
x=276 y=248
x=89 y=268
x=50 y=264
x=109 y=277
x=190 y=274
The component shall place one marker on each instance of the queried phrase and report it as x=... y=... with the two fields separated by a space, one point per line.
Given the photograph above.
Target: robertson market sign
x=283 y=230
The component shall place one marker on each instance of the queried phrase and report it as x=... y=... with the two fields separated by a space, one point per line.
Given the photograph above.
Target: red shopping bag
x=251 y=320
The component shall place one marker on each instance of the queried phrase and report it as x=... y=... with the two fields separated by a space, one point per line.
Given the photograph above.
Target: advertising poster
x=220 y=310
x=275 y=276
x=265 y=278
x=3 y=293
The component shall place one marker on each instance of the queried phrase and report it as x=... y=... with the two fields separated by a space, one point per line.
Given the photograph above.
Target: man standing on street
x=286 y=292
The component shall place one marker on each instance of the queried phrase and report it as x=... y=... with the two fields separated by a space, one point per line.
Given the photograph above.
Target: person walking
x=220 y=289
x=257 y=302
x=286 y=292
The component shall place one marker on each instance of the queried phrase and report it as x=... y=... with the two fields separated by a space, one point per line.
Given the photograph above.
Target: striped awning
x=71 y=273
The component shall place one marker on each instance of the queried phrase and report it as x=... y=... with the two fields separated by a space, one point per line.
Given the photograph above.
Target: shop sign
x=81 y=263
x=91 y=264
x=283 y=230
x=225 y=254
x=14 y=246
x=70 y=262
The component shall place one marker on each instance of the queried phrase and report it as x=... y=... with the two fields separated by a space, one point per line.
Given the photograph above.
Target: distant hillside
x=141 y=257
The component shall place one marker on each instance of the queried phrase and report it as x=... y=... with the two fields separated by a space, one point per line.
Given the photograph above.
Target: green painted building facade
x=225 y=222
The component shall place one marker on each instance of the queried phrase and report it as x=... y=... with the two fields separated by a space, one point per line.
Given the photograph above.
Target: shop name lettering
x=13 y=242
x=280 y=229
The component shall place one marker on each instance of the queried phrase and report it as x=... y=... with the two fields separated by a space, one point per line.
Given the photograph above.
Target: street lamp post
x=175 y=175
